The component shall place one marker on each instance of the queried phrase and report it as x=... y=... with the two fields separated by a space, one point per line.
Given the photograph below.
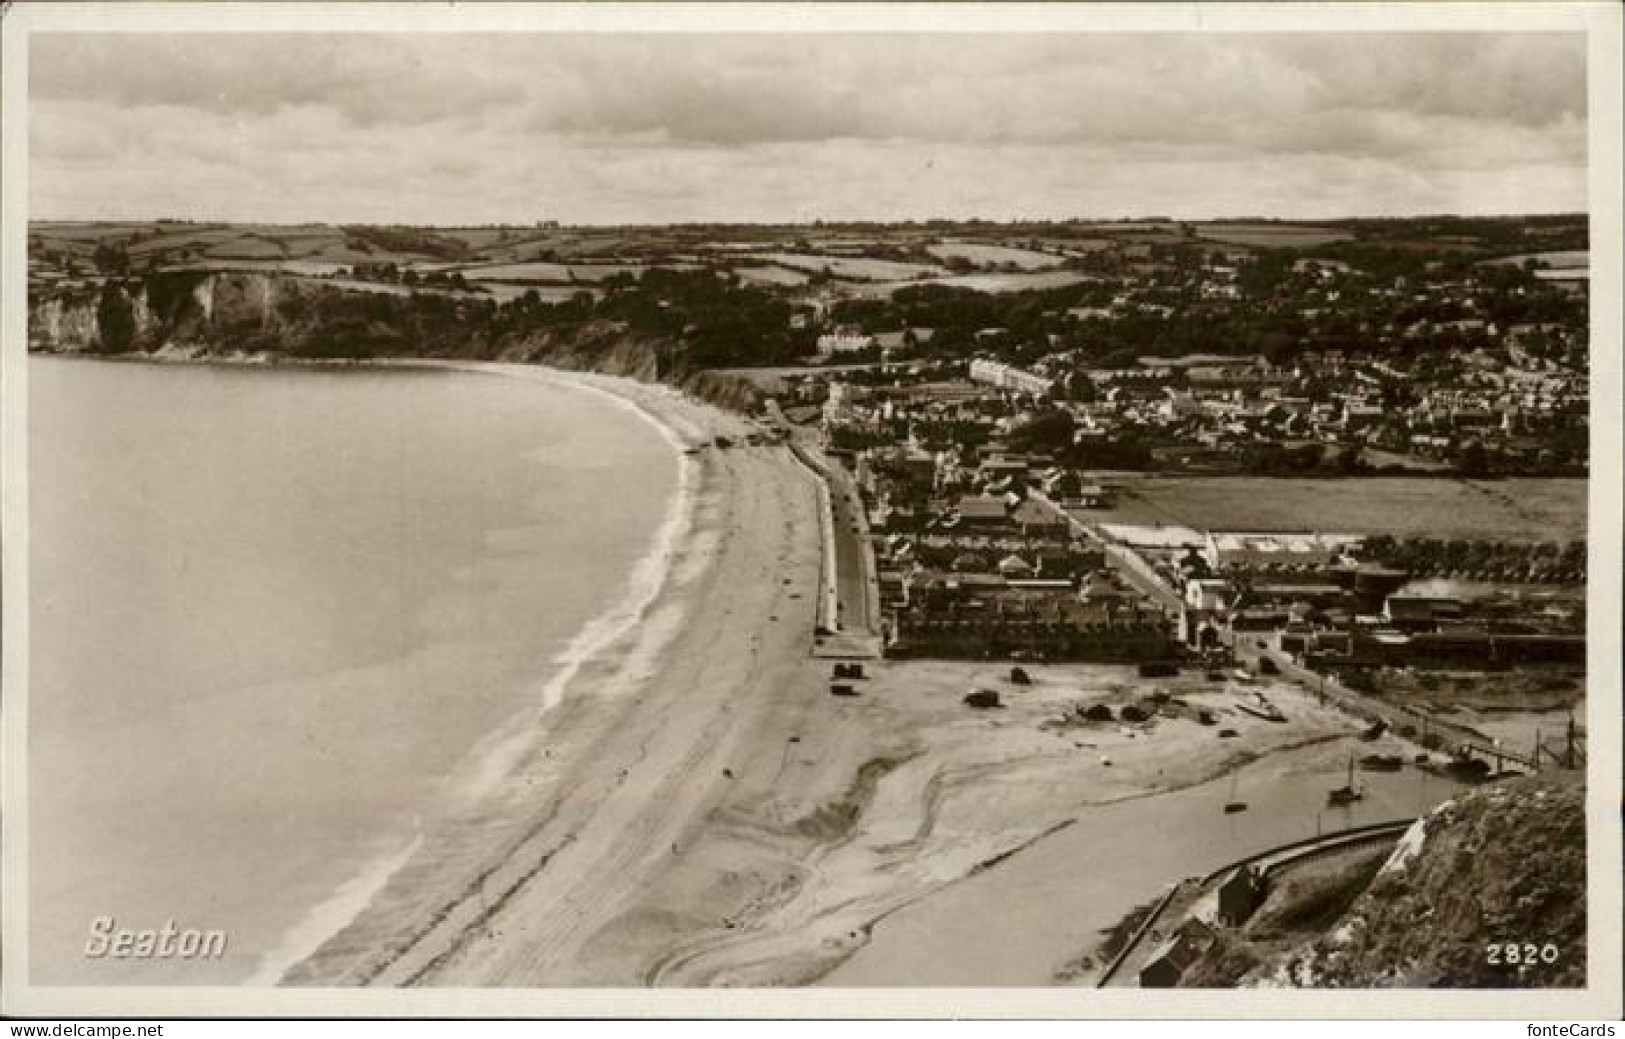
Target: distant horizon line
x=551 y=223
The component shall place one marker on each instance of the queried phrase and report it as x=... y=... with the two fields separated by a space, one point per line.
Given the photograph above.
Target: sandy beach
x=637 y=756
x=895 y=874
x=702 y=811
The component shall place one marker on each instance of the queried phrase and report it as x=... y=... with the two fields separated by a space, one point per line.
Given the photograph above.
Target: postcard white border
x=1602 y=998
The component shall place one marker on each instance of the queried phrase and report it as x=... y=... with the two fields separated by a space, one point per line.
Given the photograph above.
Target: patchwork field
x=1513 y=509
x=1015 y=282
x=1131 y=226
x=544 y=271
x=1559 y=260
x=771 y=276
x=1077 y=246
x=313 y=268
x=1284 y=236
x=985 y=255
x=861 y=268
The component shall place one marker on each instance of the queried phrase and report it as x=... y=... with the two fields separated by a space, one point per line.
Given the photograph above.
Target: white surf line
x=649 y=578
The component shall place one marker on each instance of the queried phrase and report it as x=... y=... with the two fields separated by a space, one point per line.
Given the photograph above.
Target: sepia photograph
x=705 y=510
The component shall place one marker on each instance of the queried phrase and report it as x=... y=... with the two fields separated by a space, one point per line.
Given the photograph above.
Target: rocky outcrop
x=64 y=324
x=180 y=309
x=1488 y=891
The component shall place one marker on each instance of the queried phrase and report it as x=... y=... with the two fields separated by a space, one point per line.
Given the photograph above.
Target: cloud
x=695 y=126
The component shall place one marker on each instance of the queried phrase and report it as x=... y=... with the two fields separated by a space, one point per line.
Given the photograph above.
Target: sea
x=276 y=617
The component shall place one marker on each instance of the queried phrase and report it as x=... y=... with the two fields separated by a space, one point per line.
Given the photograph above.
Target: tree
x=1081 y=388
x=115 y=316
x=112 y=259
x=1348 y=460
x=1050 y=431
x=1474 y=460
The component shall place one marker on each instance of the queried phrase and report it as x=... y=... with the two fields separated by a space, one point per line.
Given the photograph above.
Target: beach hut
x=1170 y=961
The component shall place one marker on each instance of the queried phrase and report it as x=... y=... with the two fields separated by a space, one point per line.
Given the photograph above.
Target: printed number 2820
x=1513 y=954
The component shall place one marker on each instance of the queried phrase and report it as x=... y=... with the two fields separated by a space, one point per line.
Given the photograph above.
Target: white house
x=843 y=343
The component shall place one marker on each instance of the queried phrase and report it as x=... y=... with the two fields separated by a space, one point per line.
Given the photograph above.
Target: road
x=1360 y=704
x=1248 y=651
x=1125 y=966
x=1119 y=559
x=857 y=600
x=853 y=575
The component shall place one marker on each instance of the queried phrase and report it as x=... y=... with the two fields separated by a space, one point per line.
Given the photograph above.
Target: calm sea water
x=273 y=614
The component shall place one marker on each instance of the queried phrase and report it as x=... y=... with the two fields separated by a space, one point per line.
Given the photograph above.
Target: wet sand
x=1044 y=909
x=871 y=888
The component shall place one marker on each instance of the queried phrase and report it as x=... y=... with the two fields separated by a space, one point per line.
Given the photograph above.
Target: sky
x=455 y=129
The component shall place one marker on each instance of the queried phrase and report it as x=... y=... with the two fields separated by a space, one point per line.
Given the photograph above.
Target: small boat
x=1382 y=762
x=1267 y=711
x=1344 y=796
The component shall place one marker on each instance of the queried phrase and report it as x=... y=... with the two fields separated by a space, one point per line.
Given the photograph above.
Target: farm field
x=1560 y=260
x=540 y=271
x=856 y=267
x=1077 y=246
x=770 y=276
x=313 y=268
x=545 y=271
x=391 y=289
x=1130 y=226
x=982 y=282
x=236 y=244
x=986 y=255
x=1518 y=509
x=1286 y=236
x=481 y=237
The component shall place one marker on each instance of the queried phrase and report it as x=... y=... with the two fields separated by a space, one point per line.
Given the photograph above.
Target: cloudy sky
x=457 y=129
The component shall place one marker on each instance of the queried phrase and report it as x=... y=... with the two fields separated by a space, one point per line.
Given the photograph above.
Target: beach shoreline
x=613 y=734
x=487 y=763
x=693 y=807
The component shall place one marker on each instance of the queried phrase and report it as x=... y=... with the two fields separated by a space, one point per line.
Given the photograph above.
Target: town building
x=1009 y=377
x=832 y=343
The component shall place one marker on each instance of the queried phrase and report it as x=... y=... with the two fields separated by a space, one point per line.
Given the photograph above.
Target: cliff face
x=178 y=310
x=232 y=314
x=609 y=348
x=1489 y=891
x=60 y=324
